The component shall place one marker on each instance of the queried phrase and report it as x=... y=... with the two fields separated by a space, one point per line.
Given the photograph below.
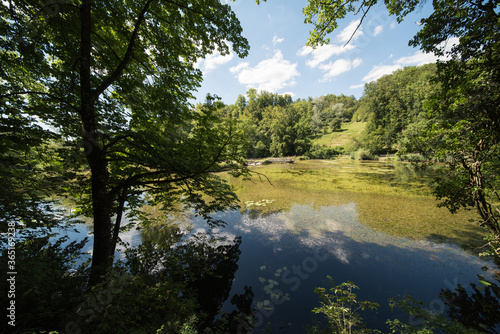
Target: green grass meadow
x=342 y=138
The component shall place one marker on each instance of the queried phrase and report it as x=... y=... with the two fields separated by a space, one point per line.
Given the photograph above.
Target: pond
x=374 y=224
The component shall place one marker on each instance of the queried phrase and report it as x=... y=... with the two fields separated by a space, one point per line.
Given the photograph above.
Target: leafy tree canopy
x=108 y=83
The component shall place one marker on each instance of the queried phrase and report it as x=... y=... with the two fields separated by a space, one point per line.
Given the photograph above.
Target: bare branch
x=360 y=22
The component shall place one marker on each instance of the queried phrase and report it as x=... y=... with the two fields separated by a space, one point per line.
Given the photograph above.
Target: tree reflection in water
x=206 y=262
x=480 y=309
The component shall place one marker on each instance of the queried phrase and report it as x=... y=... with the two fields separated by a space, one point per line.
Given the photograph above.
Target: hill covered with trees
x=392 y=107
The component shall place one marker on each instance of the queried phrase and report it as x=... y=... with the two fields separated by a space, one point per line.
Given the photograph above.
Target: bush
x=412 y=157
x=48 y=285
x=473 y=314
x=341 y=308
x=164 y=289
x=363 y=154
x=157 y=289
x=322 y=152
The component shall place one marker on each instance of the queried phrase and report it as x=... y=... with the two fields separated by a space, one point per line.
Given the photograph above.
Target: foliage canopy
x=108 y=83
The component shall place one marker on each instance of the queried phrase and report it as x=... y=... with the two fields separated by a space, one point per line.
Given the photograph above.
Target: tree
x=111 y=80
x=393 y=103
x=287 y=129
x=336 y=124
x=467 y=104
x=341 y=308
x=324 y=15
x=319 y=115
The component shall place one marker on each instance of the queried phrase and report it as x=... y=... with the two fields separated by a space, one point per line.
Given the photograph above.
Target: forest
x=392 y=108
x=97 y=130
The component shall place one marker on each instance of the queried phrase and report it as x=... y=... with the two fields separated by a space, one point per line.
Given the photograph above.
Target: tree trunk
x=116 y=228
x=101 y=202
x=101 y=209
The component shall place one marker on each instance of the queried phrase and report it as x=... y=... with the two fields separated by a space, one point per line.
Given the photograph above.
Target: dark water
x=300 y=248
x=286 y=255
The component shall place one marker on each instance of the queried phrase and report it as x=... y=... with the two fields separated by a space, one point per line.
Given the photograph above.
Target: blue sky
x=279 y=62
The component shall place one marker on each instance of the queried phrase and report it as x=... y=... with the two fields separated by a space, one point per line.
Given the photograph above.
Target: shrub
x=322 y=152
x=363 y=154
x=48 y=285
x=164 y=289
x=412 y=157
x=341 y=308
x=156 y=289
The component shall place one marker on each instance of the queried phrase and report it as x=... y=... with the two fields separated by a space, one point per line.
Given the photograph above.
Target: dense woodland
x=393 y=108
x=94 y=111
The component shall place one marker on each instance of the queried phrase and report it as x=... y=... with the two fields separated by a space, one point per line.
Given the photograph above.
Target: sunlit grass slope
x=342 y=138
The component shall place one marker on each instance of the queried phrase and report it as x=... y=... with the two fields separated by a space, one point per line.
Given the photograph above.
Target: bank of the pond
x=391 y=197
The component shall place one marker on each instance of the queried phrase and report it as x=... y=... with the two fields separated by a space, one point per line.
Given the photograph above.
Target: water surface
x=370 y=223
x=299 y=248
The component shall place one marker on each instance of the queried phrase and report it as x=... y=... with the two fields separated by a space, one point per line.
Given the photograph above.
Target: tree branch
x=119 y=214
x=114 y=141
x=40 y=93
x=128 y=54
x=360 y=22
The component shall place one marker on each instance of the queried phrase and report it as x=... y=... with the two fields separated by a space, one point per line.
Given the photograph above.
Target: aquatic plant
x=391 y=197
x=341 y=308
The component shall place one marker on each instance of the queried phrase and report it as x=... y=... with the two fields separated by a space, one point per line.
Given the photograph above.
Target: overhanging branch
x=40 y=93
x=360 y=22
x=128 y=54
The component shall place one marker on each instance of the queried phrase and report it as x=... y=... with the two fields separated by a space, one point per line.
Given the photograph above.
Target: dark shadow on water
x=472 y=240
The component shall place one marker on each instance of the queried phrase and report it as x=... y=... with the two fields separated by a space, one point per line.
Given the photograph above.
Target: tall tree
x=468 y=102
x=468 y=105
x=111 y=79
x=393 y=103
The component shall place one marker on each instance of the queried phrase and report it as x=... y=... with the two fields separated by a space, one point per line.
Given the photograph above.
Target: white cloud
x=378 y=30
x=357 y=86
x=292 y=94
x=323 y=53
x=450 y=43
x=393 y=25
x=348 y=32
x=418 y=58
x=378 y=71
x=214 y=60
x=338 y=67
x=239 y=67
x=270 y=74
x=277 y=40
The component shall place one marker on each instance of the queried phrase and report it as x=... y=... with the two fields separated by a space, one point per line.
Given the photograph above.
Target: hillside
x=342 y=138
